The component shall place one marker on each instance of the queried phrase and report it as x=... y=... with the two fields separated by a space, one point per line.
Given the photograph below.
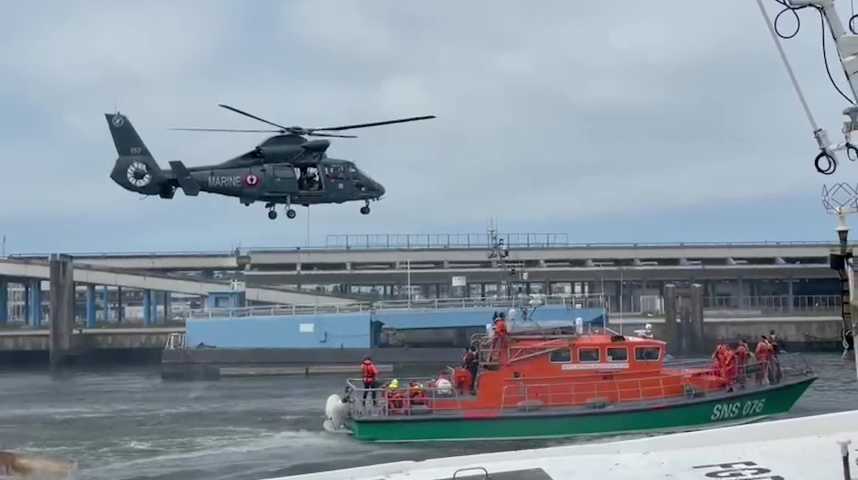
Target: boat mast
x=839 y=199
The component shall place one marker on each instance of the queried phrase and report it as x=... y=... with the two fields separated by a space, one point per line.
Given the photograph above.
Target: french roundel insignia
x=251 y=180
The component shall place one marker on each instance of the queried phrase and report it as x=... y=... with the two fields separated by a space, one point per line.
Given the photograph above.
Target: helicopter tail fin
x=135 y=169
x=189 y=185
x=127 y=142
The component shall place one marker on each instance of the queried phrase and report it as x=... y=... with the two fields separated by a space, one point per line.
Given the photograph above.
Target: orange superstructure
x=535 y=371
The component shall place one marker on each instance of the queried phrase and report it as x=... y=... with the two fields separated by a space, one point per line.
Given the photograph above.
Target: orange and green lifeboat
x=550 y=386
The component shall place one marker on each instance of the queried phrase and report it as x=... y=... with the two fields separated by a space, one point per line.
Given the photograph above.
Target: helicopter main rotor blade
x=224 y=130
x=373 y=124
x=240 y=112
x=311 y=134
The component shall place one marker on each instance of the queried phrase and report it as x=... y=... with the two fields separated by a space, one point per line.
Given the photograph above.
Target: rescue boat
x=561 y=384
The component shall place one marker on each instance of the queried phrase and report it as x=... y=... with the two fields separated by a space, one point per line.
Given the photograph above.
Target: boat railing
x=176 y=341
x=791 y=364
x=685 y=379
x=383 y=401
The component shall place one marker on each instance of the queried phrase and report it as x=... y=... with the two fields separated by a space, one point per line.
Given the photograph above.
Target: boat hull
x=695 y=413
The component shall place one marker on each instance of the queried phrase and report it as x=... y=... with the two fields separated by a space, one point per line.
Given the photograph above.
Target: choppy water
x=126 y=423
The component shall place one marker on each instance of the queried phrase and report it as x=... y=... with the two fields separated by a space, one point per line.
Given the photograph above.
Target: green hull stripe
x=739 y=408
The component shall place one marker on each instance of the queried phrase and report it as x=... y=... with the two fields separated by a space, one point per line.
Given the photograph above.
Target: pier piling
x=62 y=308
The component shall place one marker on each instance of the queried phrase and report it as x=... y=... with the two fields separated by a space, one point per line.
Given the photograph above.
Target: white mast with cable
x=840 y=199
x=847 y=50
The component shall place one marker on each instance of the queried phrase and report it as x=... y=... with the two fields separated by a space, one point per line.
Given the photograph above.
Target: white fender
x=444 y=387
x=335 y=414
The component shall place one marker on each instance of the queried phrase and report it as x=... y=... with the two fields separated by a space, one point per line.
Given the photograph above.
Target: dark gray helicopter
x=284 y=169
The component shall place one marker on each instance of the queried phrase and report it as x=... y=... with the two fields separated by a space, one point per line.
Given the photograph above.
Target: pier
x=692 y=294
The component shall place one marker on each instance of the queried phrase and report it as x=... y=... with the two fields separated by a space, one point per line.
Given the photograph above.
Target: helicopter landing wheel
x=272 y=214
x=291 y=213
x=364 y=210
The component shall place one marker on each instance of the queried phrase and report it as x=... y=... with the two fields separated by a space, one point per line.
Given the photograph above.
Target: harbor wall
x=451 y=327
x=344 y=330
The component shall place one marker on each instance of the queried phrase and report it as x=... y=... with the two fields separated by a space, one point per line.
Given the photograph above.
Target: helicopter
x=286 y=168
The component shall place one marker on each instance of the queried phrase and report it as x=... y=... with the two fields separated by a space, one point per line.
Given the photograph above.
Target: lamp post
x=848 y=267
x=408 y=274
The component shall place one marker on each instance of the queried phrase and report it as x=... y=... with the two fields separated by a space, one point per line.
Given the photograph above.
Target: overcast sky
x=611 y=121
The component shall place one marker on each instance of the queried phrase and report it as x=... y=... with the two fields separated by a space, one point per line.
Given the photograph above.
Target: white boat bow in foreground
x=791 y=449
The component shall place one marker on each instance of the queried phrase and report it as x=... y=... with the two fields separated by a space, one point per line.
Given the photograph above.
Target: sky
x=610 y=121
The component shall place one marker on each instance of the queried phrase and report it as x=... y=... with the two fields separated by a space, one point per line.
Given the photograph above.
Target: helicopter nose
x=380 y=189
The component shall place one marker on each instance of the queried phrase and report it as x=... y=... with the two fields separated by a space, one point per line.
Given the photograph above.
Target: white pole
x=842 y=235
x=408 y=270
x=788 y=67
x=850 y=272
x=307 y=242
x=841 y=39
x=621 y=300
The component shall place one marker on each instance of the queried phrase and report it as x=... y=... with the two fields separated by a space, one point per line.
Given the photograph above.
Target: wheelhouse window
x=588 y=355
x=564 y=355
x=618 y=354
x=647 y=354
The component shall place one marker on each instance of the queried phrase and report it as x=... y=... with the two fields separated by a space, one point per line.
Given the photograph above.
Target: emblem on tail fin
x=118 y=120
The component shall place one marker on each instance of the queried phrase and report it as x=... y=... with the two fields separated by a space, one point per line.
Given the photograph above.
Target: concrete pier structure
x=695 y=332
x=671 y=328
x=120 y=310
x=4 y=301
x=62 y=308
x=105 y=295
x=34 y=300
x=739 y=287
x=90 y=306
x=147 y=307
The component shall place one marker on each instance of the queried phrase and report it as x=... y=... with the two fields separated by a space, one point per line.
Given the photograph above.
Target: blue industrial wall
x=347 y=330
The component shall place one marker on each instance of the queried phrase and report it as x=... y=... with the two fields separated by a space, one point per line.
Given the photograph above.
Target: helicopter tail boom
x=135 y=169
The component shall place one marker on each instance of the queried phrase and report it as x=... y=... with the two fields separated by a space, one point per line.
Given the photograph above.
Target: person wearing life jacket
x=728 y=368
x=471 y=363
x=721 y=365
x=742 y=355
x=369 y=372
x=775 y=373
x=499 y=339
x=500 y=326
x=763 y=352
x=718 y=359
x=416 y=394
x=462 y=380
x=394 y=396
